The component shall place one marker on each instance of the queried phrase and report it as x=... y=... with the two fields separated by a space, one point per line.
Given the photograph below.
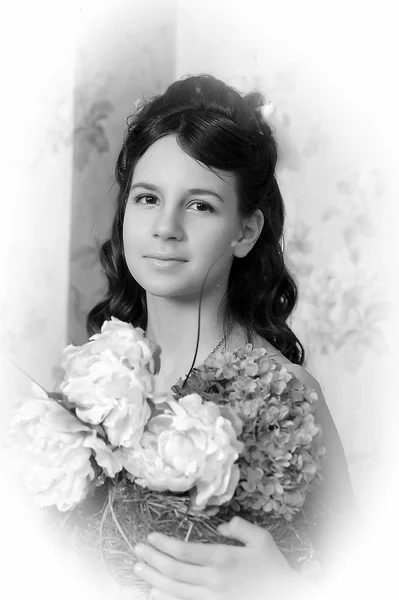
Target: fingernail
x=153 y=537
x=139 y=567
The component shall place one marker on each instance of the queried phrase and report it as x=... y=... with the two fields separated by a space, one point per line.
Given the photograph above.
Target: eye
x=146 y=200
x=202 y=207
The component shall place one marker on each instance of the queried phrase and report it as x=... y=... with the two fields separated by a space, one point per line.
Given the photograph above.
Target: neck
x=173 y=325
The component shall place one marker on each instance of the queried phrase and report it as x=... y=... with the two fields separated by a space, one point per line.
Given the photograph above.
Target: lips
x=166 y=257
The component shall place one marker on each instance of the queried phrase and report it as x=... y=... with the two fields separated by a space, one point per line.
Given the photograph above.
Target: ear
x=251 y=230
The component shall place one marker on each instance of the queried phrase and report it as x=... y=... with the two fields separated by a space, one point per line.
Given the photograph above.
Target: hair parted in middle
x=225 y=131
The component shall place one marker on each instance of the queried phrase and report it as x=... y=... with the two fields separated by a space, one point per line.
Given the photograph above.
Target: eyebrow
x=191 y=191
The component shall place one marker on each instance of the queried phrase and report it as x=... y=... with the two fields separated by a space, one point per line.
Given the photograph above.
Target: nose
x=167 y=225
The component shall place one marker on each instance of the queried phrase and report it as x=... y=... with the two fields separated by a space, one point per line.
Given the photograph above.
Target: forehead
x=165 y=164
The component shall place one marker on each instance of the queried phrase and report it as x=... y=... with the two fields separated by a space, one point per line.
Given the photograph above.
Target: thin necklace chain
x=224 y=338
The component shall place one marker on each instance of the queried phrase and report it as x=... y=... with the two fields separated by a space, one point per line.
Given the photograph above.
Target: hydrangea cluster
x=282 y=442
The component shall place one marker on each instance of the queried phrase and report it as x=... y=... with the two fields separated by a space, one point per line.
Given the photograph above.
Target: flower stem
x=101 y=530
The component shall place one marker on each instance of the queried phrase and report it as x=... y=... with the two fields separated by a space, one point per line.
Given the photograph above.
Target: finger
x=166 y=585
x=246 y=532
x=196 y=553
x=172 y=568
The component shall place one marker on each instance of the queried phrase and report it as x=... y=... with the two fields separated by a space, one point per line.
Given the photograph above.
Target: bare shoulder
x=260 y=342
x=305 y=377
x=322 y=412
x=300 y=372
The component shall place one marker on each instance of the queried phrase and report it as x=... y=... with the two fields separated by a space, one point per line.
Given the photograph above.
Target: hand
x=197 y=571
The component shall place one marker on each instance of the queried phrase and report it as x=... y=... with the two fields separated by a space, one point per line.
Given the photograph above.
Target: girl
x=200 y=214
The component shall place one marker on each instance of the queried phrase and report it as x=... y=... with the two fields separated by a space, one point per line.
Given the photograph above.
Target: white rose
x=192 y=444
x=109 y=379
x=54 y=450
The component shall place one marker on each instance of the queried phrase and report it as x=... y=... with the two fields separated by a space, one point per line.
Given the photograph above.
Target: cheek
x=132 y=225
x=215 y=254
x=131 y=239
x=218 y=241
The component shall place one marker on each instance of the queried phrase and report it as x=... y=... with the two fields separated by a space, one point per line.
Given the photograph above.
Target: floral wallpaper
x=341 y=303
x=90 y=134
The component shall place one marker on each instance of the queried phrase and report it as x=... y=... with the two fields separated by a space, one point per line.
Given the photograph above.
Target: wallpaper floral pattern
x=341 y=302
x=90 y=135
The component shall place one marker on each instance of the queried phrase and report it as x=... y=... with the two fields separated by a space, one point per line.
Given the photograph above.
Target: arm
x=331 y=503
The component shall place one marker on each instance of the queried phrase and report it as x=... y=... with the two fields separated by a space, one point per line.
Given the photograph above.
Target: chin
x=169 y=288
x=168 y=292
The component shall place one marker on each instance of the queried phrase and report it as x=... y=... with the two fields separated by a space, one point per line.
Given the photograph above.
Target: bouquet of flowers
x=121 y=460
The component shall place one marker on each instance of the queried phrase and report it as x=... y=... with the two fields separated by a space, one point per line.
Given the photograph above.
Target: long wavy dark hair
x=224 y=130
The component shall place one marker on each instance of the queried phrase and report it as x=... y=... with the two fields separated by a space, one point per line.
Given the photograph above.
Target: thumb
x=244 y=531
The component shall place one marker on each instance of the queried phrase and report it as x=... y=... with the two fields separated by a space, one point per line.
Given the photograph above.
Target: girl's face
x=180 y=219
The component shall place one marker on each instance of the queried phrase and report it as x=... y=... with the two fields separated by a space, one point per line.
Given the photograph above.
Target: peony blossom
x=56 y=451
x=125 y=342
x=109 y=379
x=191 y=444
